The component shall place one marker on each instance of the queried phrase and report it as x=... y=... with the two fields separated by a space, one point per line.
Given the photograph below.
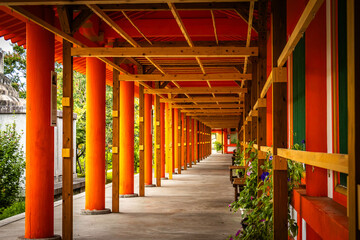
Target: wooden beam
x=212 y=110
x=214 y=114
x=80 y=19
x=248 y=38
x=44 y=24
x=180 y=6
x=306 y=17
x=208 y=106
x=202 y=99
x=134 y=25
x=186 y=77
x=166 y=52
x=102 y=15
x=116 y=140
x=197 y=90
x=83 y=2
x=214 y=26
x=67 y=178
x=331 y=161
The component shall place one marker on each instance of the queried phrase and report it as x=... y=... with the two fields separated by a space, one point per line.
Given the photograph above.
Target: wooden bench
x=238 y=182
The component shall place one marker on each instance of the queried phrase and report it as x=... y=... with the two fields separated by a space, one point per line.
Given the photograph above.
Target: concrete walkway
x=191 y=206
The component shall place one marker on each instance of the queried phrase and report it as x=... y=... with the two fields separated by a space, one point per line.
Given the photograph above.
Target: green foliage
x=15 y=68
x=258 y=214
x=136 y=135
x=14 y=209
x=218 y=146
x=12 y=165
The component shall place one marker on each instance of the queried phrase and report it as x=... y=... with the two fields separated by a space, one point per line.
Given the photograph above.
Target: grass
x=14 y=209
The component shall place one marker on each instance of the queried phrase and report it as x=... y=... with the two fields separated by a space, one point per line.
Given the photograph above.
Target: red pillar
x=148 y=138
x=183 y=157
x=39 y=201
x=162 y=133
x=176 y=134
x=225 y=140
x=187 y=141
x=126 y=138
x=173 y=139
x=193 y=141
x=95 y=135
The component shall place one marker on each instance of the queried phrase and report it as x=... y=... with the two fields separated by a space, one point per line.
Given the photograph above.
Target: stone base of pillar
x=150 y=185
x=95 y=212
x=128 y=195
x=55 y=237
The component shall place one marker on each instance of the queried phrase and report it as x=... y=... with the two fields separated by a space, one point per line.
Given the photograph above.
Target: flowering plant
x=258 y=223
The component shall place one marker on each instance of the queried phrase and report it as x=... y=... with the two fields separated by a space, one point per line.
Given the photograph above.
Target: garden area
x=255 y=200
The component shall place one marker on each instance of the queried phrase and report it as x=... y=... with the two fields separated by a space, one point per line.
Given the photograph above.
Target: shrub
x=12 y=165
x=14 y=209
x=218 y=146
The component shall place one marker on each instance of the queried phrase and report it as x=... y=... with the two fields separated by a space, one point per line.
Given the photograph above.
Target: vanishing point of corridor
x=191 y=206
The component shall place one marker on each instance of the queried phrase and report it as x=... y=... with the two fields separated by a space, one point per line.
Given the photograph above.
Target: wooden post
x=184 y=142
x=67 y=190
x=261 y=78
x=116 y=131
x=179 y=141
x=353 y=61
x=141 y=143
x=157 y=137
x=279 y=121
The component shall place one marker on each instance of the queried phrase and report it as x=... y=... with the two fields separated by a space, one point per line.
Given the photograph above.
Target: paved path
x=191 y=206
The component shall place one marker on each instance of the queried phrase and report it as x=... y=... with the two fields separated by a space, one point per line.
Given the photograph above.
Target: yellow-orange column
x=39 y=201
x=148 y=139
x=95 y=136
x=188 y=149
x=127 y=139
x=162 y=133
x=173 y=139
x=193 y=132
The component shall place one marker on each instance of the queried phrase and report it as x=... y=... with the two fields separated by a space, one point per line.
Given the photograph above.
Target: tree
x=12 y=165
x=15 y=68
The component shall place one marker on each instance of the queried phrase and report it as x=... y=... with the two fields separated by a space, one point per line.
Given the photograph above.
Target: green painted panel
x=299 y=91
x=342 y=54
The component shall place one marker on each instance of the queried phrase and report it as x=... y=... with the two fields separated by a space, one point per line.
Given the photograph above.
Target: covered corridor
x=191 y=206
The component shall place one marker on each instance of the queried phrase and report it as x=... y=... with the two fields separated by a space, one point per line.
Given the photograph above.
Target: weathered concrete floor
x=191 y=206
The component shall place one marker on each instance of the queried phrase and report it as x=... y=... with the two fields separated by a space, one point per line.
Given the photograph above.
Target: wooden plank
x=332 y=161
x=116 y=140
x=67 y=178
x=141 y=142
x=353 y=81
x=212 y=110
x=203 y=99
x=183 y=106
x=166 y=52
x=215 y=114
x=304 y=21
x=157 y=138
x=82 y=2
x=248 y=38
x=197 y=90
x=186 y=77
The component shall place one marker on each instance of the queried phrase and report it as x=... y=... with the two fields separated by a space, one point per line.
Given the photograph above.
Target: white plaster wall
x=20 y=120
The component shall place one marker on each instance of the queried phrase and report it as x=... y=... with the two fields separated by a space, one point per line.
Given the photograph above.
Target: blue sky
x=5 y=45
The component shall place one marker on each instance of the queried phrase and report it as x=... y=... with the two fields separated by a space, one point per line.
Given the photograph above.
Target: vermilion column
x=162 y=133
x=175 y=137
x=225 y=141
x=187 y=140
x=95 y=135
x=148 y=139
x=39 y=199
x=193 y=141
x=183 y=157
x=126 y=138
